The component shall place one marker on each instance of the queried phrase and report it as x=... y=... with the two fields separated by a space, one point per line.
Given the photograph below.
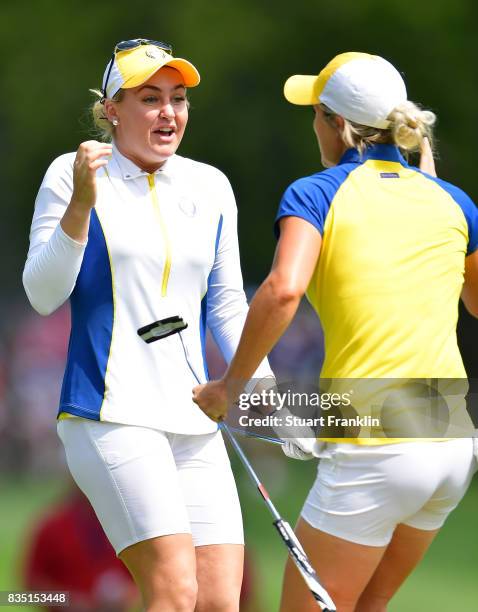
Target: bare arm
x=277 y=299
x=270 y=313
x=427 y=163
x=469 y=293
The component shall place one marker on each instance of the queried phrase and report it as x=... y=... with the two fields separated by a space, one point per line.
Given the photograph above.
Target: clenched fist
x=89 y=157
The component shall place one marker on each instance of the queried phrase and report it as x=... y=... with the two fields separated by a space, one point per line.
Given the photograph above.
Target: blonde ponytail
x=409 y=125
x=103 y=128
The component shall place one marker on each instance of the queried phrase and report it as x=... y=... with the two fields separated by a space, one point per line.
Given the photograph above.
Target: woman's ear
x=340 y=123
x=110 y=111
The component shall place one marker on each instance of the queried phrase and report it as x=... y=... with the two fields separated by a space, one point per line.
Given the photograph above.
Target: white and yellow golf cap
x=360 y=87
x=130 y=67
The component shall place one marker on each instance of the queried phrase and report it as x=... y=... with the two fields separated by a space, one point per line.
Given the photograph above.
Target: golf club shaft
x=250 y=470
x=296 y=550
x=252 y=434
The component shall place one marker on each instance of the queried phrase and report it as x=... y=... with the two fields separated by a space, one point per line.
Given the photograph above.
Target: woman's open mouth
x=165 y=134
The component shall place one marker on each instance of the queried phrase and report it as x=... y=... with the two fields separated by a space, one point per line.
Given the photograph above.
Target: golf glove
x=303 y=449
x=299 y=441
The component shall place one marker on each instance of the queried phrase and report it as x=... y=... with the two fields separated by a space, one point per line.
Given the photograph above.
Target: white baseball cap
x=135 y=61
x=360 y=87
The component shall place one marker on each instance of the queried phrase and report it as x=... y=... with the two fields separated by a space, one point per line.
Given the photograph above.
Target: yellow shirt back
x=390 y=273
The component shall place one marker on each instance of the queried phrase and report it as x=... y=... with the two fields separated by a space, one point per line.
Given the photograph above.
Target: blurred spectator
x=3 y=391
x=299 y=354
x=69 y=552
x=37 y=355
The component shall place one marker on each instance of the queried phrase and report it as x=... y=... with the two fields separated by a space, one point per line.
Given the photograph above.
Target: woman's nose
x=167 y=111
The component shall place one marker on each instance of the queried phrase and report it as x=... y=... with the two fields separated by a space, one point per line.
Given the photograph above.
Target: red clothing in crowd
x=70 y=552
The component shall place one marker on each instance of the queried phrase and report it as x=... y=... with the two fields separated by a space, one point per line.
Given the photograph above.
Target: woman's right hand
x=212 y=398
x=89 y=157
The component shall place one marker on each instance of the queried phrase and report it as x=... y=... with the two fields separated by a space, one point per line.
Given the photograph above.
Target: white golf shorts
x=362 y=493
x=144 y=483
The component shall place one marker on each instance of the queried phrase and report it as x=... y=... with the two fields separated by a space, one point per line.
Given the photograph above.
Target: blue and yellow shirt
x=388 y=280
x=159 y=244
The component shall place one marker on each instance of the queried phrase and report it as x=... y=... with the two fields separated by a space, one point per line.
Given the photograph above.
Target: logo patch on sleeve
x=389 y=175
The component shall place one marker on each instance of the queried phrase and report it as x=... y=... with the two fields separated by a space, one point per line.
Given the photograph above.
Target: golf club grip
x=296 y=552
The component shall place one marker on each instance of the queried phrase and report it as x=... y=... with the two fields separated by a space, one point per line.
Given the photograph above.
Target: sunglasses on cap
x=127 y=45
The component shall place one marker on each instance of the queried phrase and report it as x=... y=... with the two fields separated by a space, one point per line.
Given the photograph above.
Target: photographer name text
x=290 y=420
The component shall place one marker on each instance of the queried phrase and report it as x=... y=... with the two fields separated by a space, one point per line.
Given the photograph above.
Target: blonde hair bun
x=410 y=124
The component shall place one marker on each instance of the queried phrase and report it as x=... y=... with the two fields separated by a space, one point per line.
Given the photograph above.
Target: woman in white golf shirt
x=131 y=233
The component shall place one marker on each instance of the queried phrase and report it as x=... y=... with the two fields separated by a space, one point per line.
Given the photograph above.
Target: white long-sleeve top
x=158 y=245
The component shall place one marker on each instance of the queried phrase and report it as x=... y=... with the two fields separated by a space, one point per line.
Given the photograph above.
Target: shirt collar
x=383 y=152
x=129 y=170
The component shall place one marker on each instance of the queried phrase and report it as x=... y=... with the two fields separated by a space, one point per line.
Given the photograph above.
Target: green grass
x=22 y=502
x=447 y=579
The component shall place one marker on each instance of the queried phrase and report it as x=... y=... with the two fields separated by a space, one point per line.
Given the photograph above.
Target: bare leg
x=402 y=555
x=344 y=568
x=219 y=576
x=164 y=569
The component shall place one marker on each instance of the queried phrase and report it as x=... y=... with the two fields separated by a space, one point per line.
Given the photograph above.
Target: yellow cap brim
x=186 y=69
x=190 y=74
x=301 y=89
x=136 y=71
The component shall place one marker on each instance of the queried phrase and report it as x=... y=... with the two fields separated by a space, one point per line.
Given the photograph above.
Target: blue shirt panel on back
x=467 y=206
x=310 y=197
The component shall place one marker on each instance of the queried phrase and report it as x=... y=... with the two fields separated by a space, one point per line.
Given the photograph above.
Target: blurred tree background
x=53 y=51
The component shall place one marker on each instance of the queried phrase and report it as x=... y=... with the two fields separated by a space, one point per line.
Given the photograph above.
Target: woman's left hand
x=212 y=398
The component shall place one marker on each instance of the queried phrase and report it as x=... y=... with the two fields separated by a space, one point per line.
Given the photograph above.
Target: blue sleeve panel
x=468 y=208
x=310 y=197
